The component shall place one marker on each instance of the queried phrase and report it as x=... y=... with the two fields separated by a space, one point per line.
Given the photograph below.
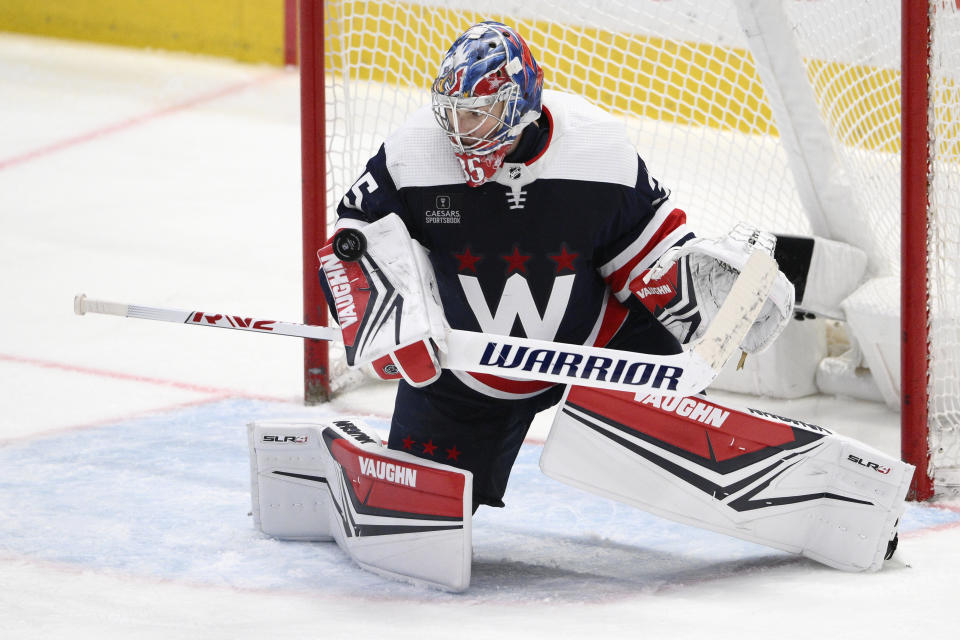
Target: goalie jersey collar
x=521 y=167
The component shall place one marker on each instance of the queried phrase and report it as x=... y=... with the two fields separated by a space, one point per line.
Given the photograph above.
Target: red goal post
x=731 y=103
x=914 y=209
x=316 y=355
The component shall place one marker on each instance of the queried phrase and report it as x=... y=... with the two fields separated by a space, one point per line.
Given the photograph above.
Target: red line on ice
x=937 y=527
x=129 y=377
x=135 y=121
x=113 y=420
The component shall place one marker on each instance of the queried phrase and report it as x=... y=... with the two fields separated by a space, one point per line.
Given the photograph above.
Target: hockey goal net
x=785 y=114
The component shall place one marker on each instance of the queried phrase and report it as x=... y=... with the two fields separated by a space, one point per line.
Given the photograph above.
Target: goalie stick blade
x=739 y=310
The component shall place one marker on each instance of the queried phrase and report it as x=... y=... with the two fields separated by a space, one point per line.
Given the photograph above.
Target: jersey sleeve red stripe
x=665 y=229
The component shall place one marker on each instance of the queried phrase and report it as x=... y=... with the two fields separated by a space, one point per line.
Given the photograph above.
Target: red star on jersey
x=453 y=453
x=467 y=260
x=564 y=259
x=408 y=442
x=429 y=448
x=515 y=260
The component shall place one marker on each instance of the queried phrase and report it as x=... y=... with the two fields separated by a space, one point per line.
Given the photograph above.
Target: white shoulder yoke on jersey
x=586 y=144
x=419 y=154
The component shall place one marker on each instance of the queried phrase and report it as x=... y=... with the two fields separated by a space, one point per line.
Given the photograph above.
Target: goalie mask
x=487 y=90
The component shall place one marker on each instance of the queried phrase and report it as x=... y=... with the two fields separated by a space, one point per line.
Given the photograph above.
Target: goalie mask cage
x=785 y=114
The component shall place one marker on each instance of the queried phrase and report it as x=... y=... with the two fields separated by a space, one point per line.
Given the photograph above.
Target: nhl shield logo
x=515 y=173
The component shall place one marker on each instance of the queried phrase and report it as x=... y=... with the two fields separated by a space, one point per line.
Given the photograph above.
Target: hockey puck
x=349 y=245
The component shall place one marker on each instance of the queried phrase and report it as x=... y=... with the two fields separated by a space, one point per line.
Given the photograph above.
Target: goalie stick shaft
x=83 y=305
x=680 y=374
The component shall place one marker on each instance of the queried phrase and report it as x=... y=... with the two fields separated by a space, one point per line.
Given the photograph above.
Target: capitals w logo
x=517 y=301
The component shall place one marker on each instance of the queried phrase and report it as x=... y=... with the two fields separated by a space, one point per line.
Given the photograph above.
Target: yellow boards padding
x=247 y=30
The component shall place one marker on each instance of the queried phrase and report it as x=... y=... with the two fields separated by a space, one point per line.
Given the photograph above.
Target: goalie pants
x=449 y=422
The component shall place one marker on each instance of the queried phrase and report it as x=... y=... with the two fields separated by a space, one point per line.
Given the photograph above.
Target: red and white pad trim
x=743 y=472
x=392 y=513
x=395 y=514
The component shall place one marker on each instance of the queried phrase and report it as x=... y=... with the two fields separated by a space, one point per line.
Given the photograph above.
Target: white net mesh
x=944 y=247
x=852 y=54
x=682 y=77
x=678 y=72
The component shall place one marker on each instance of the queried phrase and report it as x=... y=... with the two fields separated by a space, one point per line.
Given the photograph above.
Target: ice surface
x=174 y=180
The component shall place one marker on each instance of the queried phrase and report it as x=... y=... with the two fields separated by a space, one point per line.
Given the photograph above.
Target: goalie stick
x=681 y=374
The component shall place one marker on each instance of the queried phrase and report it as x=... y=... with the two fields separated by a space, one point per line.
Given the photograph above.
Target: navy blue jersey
x=547 y=248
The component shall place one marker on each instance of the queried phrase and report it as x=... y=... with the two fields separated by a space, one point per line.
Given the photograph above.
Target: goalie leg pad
x=392 y=513
x=752 y=475
x=288 y=485
x=395 y=514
